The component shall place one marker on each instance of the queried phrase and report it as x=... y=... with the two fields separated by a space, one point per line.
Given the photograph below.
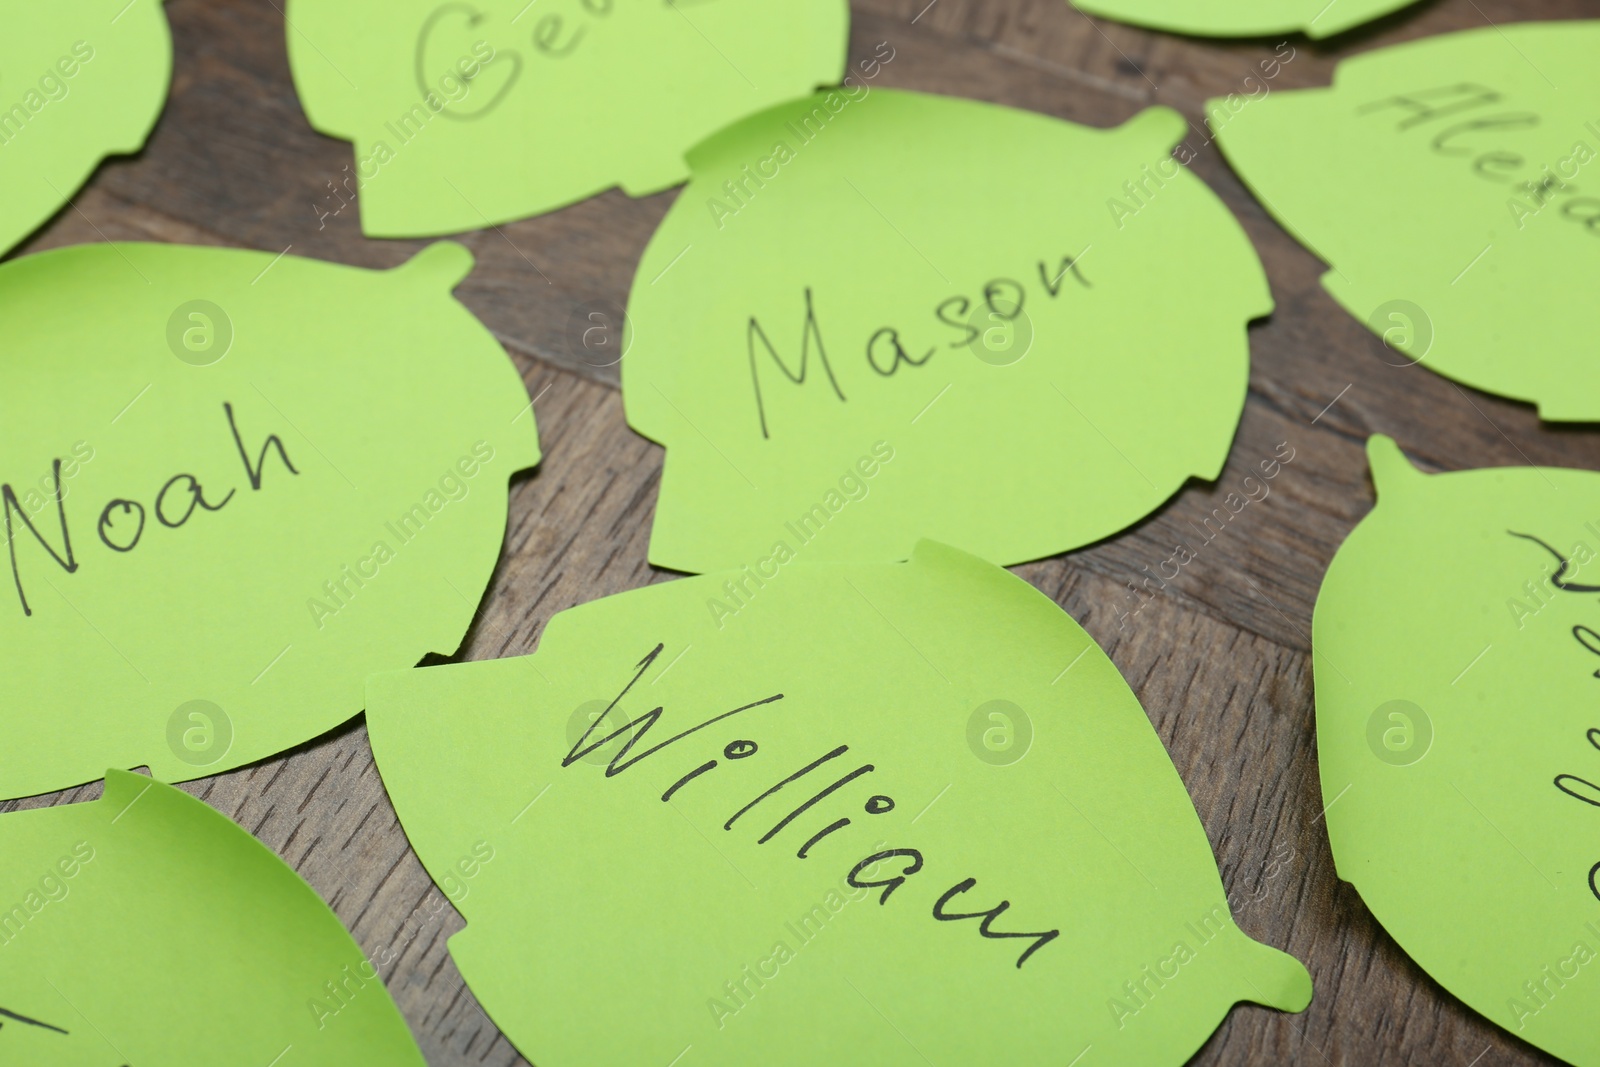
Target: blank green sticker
x=465 y=115
x=1447 y=182
x=78 y=82
x=875 y=315
x=146 y=927
x=1243 y=18
x=1456 y=646
x=233 y=485
x=903 y=814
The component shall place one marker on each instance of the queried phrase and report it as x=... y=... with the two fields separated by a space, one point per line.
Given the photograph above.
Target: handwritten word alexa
x=636 y=731
x=885 y=350
x=1480 y=139
x=121 y=523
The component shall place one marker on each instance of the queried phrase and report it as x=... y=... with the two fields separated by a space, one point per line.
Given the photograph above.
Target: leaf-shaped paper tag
x=467 y=114
x=1445 y=182
x=234 y=484
x=1243 y=18
x=78 y=82
x=146 y=927
x=1456 y=646
x=871 y=813
x=875 y=316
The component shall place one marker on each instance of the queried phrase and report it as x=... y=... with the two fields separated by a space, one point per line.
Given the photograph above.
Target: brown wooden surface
x=1220 y=659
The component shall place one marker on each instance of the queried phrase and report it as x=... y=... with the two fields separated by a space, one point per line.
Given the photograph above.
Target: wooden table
x=1221 y=658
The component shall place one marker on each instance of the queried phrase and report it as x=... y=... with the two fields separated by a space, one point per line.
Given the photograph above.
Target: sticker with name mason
x=1447 y=182
x=877 y=315
x=914 y=791
x=234 y=484
x=147 y=928
x=464 y=115
x=78 y=82
x=1243 y=18
x=1456 y=650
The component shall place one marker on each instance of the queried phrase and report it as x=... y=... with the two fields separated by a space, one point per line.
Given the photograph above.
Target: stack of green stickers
x=146 y=928
x=235 y=485
x=886 y=813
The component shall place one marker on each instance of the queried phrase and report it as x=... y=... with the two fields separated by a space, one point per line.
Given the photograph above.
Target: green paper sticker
x=1445 y=182
x=78 y=82
x=234 y=484
x=1456 y=649
x=881 y=813
x=146 y=927
x=875 y=315
x=1243 y=18
x=465 y=115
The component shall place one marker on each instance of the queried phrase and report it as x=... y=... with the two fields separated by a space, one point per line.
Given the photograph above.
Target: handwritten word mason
x=885 y=351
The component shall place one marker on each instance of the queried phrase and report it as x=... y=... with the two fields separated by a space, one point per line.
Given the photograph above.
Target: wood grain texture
x=1219 y=657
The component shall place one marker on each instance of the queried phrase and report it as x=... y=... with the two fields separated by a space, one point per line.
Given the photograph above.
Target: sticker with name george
x=469 y=114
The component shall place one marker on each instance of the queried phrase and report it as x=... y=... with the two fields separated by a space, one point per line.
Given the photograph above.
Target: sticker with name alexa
x=235 y=484
x=1445 y=182
x=146 y=927
x=849 y=336
x=1244 y=18
x=1456 y=648
x=78 y=82
x=887 y=813
x=466 y=115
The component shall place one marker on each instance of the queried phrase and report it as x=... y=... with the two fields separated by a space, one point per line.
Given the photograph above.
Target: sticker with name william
x=1446 y=182
x=876 y=315
x=148 y=928
x=893 y=813
x=1456 y=649
x=466 y=115
x=235 y=484
x=1244 y=18
x=78 y=82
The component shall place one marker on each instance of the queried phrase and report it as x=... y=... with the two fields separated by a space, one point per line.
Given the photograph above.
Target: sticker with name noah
x=234 y=484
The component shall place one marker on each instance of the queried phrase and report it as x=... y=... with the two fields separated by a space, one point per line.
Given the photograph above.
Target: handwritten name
x=885 y=350
x=863 y=875
x=121 y=524
x=1479 y=139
